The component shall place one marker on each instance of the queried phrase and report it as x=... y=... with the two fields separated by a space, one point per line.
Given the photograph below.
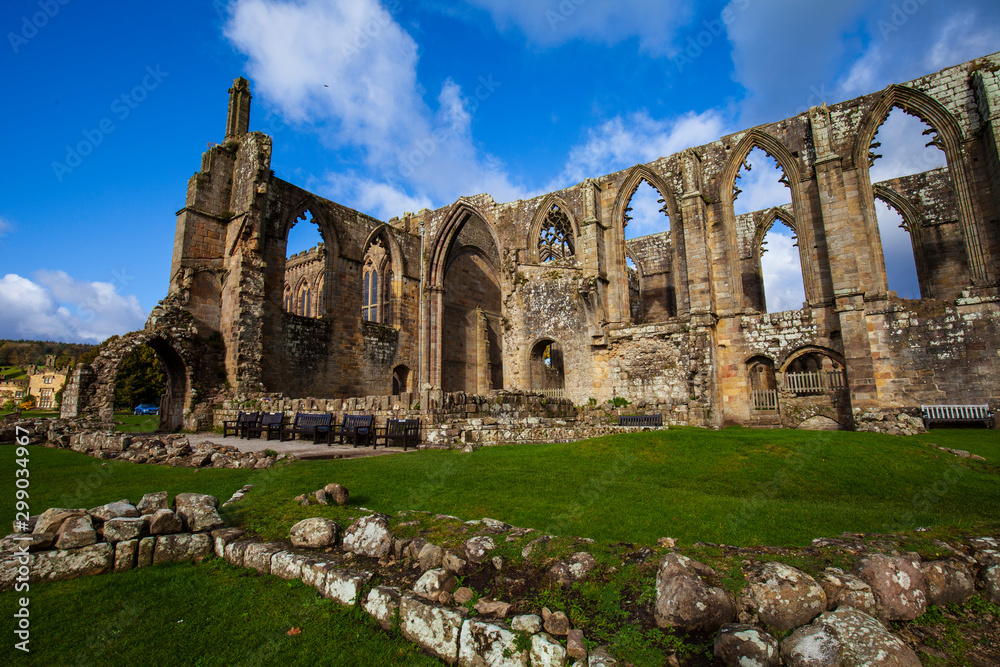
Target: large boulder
x=345 y=586
x=685 y=600
x=338 y=494
x=843 y=588
x=76 y=531
x=431 y=556
x=122 y=528
x=780 y=596
x=898 y=586
x=434 y=628
x=198 y=512
x=948 y=581
x=314 y=533
x=546 y=651
x=741 y=645
x=491 y=644
x=846 y=638
x=369 y=536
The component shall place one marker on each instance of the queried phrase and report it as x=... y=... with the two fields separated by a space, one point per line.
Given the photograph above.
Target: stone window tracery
x=375 y=282
x=556 y=238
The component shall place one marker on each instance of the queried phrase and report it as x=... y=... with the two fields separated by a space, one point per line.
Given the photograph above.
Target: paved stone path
x=304 y=449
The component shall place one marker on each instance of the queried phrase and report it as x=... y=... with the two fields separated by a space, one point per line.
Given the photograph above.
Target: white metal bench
x=958 y=413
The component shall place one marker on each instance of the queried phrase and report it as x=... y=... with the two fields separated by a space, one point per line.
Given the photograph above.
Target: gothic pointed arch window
x=556 y=238
x=376 y=278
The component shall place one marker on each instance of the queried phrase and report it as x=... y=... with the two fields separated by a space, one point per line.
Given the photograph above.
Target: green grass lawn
x=126 y=422
x=197 y=614
x=734 y=486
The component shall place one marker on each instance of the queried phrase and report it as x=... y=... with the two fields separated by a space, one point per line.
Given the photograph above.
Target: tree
x=140 y=379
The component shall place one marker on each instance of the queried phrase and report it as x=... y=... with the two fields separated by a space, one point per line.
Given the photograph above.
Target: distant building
x=44 y=382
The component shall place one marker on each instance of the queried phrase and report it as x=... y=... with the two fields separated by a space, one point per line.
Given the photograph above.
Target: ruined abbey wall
x=537 y=295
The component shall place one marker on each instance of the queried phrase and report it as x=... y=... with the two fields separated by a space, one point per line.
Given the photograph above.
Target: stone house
x=539 y=296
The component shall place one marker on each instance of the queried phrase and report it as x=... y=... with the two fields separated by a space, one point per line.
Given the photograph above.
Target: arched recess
x=913 y=226
x=542 y=221
x=762 y=383
x=174 y=401
x=813 y=370
x=546 y=368
x=382 y=248
x=303 y=301
x=777 y=151
x=617 y=260
x=753 y=275
x=463 y=348
x=950 y=139
x=400 y=380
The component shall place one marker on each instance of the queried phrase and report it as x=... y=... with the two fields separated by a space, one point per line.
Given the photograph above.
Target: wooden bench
x=307 y=423
x=640 y=420
x=270 y=424
x=406 y=431
x=958 y=414
x=240 y=424
x=359 y=428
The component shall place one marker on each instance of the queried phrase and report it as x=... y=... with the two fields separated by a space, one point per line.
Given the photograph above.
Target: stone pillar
x=483 y=366
x=238 y=119
x=79 y=392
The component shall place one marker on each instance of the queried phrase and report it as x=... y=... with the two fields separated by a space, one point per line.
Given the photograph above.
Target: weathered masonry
x=539 y=295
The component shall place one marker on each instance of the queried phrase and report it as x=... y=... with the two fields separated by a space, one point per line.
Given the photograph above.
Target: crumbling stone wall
x=472 y=295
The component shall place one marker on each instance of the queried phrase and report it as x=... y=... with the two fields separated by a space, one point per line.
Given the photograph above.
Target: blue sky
x=395 y=105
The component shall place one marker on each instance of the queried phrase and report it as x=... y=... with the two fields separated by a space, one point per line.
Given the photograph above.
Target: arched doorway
x=546 y=370
x=400 y=380
x=174 y=399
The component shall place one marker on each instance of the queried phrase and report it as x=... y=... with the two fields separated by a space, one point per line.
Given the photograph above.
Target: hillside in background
x=28 y=352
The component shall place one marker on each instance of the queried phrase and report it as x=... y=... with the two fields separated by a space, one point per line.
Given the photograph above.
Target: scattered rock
x=464 y=595
x=991 y=583
x=576 y=647
x=780 y=596
x=526 y=623
x=477 y=547
x=164 y=522
x=844 y=588
x=198 y=512
x=485 y=643
x=492 y=608
x=898 y=586
x=122 y=529
x=740 y=645
x=557 y=624
x=565 y=573
x=369 y=536
x=432 y=582
x=685 y=601
x=76 y=531
x=314 y=533
x=453 y=562
x=948 y=581
x=50 y=520
x=430 y=557
x=667 y=542
x=122 y=508
x=546 y=651
x=534 y=544
x=337 y=493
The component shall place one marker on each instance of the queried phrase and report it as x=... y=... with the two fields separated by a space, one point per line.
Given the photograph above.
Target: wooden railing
x=550 y=393
x=813 y=382
x=764 y=399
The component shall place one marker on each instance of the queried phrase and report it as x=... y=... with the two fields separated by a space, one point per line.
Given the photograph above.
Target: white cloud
x=783 y=286
x=57 y=307
x=555 y=22
x=349 y=70
x=760 y=187
x=625 y=141
x=904 y=149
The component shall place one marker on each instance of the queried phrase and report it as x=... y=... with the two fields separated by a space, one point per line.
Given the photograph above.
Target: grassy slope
x=733 y=486
x=206 y=614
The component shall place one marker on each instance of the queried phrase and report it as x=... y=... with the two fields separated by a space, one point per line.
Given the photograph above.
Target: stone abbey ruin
x=447 y=314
